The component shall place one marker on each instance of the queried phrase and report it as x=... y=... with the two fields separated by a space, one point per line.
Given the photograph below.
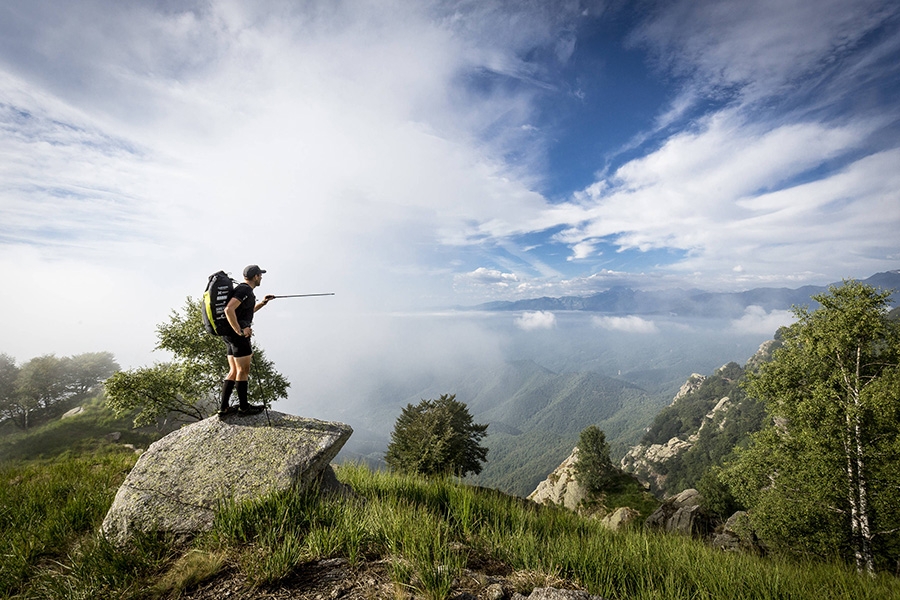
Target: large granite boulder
x=737 y=534
x=682 y=514
x=621 y=518
x=179 y=482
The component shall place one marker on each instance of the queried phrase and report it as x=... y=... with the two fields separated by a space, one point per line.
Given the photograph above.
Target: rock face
x=178 y=483
x=621 y=518
x=561 y=487
x=690 y=386
x=682 y=514
x=647 y=461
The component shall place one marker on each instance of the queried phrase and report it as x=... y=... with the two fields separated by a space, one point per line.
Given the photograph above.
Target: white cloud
x=316 y=143
x=345 y=147
x=485 y=276
x=758 y=48
x=728 y=193
x=582 y=249
x=540 y=319
x=757 y=320
x=629 y=324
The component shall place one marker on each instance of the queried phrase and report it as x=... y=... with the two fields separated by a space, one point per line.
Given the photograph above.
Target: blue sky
x=409 y=155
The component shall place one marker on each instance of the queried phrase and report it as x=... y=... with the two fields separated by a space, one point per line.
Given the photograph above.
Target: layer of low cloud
x=757 y=320
x=629 y=324
x=540 y=319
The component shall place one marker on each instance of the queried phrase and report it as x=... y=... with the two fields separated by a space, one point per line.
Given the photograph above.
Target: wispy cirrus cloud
x=757 y=152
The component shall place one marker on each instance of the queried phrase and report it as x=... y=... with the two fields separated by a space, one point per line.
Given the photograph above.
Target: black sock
x=227 y=386
x=242 y=387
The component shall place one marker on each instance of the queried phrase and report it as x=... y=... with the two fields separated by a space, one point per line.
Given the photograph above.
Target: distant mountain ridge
x=687 y=303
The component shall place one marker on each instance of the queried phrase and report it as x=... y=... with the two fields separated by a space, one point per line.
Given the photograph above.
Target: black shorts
x=238 y=345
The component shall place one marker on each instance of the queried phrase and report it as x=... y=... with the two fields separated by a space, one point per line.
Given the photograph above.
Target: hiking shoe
x=250 y=409
x=227 y=411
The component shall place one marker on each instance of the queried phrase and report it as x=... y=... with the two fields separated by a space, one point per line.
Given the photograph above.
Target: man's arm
x=265 y=301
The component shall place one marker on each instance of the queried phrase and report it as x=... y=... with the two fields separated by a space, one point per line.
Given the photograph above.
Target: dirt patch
x=337 y=578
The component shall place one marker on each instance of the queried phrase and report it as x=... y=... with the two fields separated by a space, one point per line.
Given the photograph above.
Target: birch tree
x=822 y=477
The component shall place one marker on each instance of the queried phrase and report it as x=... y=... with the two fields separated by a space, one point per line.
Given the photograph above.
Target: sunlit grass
x=50 y=513
x=427 y=532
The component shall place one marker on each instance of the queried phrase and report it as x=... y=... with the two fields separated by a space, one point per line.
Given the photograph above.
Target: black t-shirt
x=244 y=312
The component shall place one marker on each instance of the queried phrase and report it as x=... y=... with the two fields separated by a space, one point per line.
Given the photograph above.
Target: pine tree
x=593 y=467
x=437 y=437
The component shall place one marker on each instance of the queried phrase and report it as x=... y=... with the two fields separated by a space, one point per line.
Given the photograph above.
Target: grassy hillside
x=398 y=536
x=94 y=428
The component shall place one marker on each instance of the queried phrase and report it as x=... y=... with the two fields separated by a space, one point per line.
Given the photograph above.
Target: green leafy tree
x=42 y=383
x=188 y=386
x=9 y=372
x=437 y=437
x=822 y=478
x=88 y=369
x=46 y=386
x=593 y=467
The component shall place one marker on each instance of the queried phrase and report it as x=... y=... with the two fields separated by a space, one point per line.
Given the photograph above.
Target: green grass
x=49 y=514
x=81 y=433
x=428 y=531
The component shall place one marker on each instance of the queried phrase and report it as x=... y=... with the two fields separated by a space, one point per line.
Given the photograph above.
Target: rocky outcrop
x=682 y=514
x=621 y=518
x=561 y=487
x=736 y=534
x=690 y=386
x=72 y=412
x=643 y=461
x=179 y=482
x=647 y=461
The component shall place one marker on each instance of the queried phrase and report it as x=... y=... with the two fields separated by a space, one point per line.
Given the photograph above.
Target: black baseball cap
x=252 y=271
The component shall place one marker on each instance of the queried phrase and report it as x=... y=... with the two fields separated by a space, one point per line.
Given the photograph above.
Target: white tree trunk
x=856 y=477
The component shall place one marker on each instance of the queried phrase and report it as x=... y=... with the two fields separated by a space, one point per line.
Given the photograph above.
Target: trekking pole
x=259 y=387
x=303 y=295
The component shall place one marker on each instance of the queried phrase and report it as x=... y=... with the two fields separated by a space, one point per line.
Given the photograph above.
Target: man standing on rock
x=239 y=312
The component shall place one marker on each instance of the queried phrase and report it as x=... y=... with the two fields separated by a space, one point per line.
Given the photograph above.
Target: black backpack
x=215 y=298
